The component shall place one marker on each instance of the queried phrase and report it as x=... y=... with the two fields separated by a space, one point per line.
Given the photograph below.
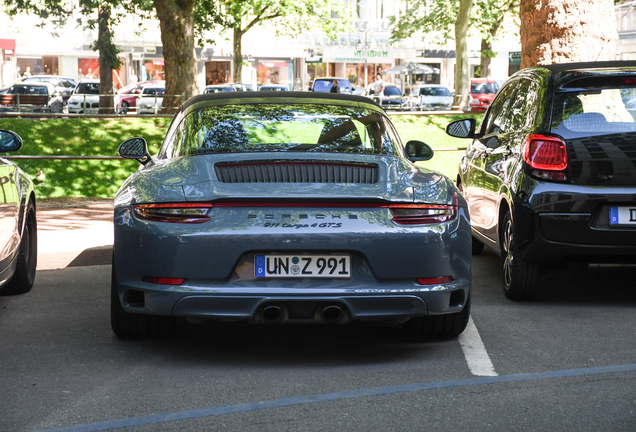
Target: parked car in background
x=431 y=97
x=151 y=99
x=273 y=87
x=63 y=85
x=127 y=97
x=323 y=85
x=85 y=97
x=32 y=97
x=550 y=175
x=231 y=87
x=258 y=208
x=482 y=93
x=392 y=98
x=18 y=236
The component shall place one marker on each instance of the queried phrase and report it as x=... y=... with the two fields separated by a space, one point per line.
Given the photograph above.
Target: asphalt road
x=565 y=361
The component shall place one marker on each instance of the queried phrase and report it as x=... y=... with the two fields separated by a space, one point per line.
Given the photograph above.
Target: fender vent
x=296 y=172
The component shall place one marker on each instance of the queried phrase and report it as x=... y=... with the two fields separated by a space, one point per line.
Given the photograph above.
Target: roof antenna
x=600 y=52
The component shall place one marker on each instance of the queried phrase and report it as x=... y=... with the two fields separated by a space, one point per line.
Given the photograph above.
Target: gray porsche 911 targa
x=296 y=208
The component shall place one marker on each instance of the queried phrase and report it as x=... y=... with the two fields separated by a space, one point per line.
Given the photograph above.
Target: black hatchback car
x=550 y=176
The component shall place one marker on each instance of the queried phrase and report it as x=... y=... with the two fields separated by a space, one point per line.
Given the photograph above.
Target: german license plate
x=92 y=111
x=623 y=216
x=302 y=266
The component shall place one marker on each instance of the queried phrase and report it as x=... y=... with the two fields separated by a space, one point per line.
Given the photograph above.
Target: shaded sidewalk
x=74 y=232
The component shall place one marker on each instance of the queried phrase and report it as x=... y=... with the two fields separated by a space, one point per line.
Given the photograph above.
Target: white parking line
x=475 y=352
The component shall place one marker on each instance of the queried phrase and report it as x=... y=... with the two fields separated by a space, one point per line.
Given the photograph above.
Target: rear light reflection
x=177 y=213
x=434 y=280
x=406 y=214
x=162 y=280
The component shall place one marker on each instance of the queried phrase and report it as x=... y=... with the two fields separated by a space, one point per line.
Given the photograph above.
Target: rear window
x=153 y=91
x=594 y=111
x=87 y=88
x=324 y=85
x=392 y=91
x=434 y=91
x=218 y=89
x=282 y=128
x=29 y=90
x=484 y=88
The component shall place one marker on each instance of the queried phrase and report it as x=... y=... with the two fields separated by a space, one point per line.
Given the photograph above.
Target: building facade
x=292 y=61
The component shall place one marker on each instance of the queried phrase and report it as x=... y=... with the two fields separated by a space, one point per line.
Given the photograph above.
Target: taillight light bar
x=176 y=213
x=404 y=214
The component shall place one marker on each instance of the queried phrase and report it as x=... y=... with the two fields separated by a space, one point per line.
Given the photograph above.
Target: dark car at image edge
x=18 y=225
x=550 y=176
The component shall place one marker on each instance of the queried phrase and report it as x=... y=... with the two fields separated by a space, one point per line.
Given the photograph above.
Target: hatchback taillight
x=174 y=212
x=545 y=153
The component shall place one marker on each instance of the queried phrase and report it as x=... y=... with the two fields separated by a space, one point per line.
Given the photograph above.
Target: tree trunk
x=563 y=31
x=176 y=20
x=462 y=75
x=106 y=61
x=485 y=60
x=237 y=74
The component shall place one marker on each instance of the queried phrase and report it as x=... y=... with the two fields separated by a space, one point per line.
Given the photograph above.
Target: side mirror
x=462 y=128
x=418 y=151
x=135 y=148
x=9 y=141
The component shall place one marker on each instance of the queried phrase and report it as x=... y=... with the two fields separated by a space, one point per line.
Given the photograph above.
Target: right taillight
x=547 y=156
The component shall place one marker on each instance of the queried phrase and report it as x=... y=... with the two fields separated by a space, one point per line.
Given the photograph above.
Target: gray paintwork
x=216 y=257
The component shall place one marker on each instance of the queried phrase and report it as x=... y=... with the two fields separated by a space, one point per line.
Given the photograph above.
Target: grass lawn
x=101 y=137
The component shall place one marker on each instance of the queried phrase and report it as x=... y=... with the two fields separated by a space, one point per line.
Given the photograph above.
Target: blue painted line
x=327 y=397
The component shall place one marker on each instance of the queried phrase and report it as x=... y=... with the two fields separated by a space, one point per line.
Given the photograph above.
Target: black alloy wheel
x=124 y=107
x=519 y=277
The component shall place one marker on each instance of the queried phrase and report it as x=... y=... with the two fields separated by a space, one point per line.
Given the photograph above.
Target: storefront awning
x=7 y=44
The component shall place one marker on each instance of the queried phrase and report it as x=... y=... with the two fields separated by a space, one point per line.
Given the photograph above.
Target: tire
x=131 y=325
x=449 y=325
x=519 y=278
x=124 y=107
x=478 y=247
x=27 y=259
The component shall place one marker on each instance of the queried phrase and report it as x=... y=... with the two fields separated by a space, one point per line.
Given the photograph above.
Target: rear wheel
x=124 y=107
x=519 y=278
x=24 y=275
x=448 y=325
x=132 y=325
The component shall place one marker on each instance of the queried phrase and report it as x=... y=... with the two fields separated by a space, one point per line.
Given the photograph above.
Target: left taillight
x=545 y=153
x=409 y=214
x=174 y=212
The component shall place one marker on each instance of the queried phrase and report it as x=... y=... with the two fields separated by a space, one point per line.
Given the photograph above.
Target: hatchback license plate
x=301 y=266
x=623 y=216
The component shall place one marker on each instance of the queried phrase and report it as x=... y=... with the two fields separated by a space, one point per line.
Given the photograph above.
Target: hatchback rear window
x=594 y=111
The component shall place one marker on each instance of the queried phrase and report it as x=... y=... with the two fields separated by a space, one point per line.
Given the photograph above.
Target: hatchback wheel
x=519 y=278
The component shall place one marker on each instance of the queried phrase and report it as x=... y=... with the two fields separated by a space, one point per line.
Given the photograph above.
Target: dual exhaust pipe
x=329 y=314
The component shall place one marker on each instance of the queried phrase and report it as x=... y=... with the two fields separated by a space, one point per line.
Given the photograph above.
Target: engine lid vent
x=296 y=172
